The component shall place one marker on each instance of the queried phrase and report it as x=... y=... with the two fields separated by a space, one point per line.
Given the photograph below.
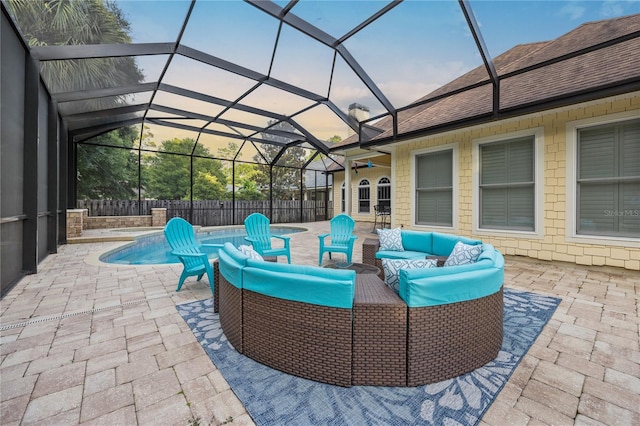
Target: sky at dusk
x=412 y=50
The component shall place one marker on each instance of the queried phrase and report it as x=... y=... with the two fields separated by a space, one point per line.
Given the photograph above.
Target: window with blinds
x=364 y=197
x=608 y=180
x=434 y=188
x=507 y=185
x=342 y=198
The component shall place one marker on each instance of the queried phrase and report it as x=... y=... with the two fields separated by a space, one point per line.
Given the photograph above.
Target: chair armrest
x=282 y=237
x=212 y=245
x=323 y=236
x=186 y=254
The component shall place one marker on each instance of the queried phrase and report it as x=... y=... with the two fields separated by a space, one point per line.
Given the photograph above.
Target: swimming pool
x=154 y=249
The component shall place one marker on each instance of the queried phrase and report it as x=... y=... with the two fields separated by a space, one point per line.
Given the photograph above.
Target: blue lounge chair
x=182 y=239
x=259 y=235
x=342 y=237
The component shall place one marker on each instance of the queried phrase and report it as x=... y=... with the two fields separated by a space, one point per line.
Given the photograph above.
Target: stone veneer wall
x=79 y=219
x=554 y=243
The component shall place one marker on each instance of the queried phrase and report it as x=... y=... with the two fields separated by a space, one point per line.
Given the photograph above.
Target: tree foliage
x=102 y=172
x=168 y=176
x=245 y=175
x=108 y=173
x=286 y=171
x=77 y=22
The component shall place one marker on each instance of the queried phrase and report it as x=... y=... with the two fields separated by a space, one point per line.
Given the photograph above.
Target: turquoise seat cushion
x=300 y=283
x=407 y=254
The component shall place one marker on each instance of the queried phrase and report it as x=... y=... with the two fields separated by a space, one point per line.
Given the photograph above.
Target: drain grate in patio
x=46 y=318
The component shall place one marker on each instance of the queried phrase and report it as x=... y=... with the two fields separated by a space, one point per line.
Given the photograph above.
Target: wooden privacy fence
x=212 y=212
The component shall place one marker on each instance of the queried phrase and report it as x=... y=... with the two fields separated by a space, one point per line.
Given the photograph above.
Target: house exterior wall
x=373 y=175
x=554 y=241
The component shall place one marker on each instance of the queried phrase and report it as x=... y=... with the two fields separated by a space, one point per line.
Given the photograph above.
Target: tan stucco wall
x=554 y=243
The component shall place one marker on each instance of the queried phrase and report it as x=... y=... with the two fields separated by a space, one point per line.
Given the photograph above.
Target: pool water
x=154 y=249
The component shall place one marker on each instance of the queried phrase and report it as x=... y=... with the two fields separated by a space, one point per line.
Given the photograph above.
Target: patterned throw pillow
x=250 y=252
x=463 y=254
x=392 y=269
x=390 y=239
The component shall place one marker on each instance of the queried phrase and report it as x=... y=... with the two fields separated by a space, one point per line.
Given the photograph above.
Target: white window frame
x=539 y=183
x=386 y=185
x=343 y=198
x=361 y=186
x=572 y=128
x=455 y=170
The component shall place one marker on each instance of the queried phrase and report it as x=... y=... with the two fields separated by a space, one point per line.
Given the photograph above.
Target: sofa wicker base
x=446 y=341
x=216 y=286
x=375 y=341
x=231 y=306
x=379 y=334
x=309 y=341
x=369 y=249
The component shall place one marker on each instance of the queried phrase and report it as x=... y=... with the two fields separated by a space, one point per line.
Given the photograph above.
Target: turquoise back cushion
x=231 y=262
x=300 y=283
x=417 y=241
x=443 y=243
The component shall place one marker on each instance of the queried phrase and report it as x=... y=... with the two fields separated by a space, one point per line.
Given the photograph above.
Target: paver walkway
x=83 y=342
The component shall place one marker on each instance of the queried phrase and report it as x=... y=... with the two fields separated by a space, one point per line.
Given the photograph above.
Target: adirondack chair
x=182 y=239
x=259 y=235
x=342 y=237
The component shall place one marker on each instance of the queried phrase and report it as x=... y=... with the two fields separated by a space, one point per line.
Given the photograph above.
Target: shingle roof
x=614 y=64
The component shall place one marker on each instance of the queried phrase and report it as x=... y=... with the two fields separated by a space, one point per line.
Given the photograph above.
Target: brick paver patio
x=83 y=342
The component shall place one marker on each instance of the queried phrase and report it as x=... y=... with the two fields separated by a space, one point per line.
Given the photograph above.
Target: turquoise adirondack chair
x=259 y=235
x=184 y=245
x=342 y=237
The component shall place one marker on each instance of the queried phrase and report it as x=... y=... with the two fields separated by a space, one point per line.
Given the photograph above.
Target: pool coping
x=137 y=233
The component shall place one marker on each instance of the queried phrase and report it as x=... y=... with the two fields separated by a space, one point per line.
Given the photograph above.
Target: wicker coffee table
x=360 y=268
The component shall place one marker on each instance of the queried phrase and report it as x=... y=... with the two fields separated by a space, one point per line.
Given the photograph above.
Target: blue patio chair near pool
x=259 y=235
x=184 y=245
x=342 y=237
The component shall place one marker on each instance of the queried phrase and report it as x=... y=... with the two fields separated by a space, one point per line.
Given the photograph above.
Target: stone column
x=75 y=222
x=158 y=216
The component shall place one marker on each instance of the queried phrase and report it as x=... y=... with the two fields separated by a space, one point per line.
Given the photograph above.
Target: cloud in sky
x=572 y=10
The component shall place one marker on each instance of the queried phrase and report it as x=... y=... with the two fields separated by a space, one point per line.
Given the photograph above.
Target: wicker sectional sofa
x=337 y=327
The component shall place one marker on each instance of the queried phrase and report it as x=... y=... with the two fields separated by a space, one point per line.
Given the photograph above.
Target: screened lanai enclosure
x=215 y=109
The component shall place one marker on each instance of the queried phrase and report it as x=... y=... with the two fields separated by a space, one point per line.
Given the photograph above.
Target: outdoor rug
x=275 y=398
